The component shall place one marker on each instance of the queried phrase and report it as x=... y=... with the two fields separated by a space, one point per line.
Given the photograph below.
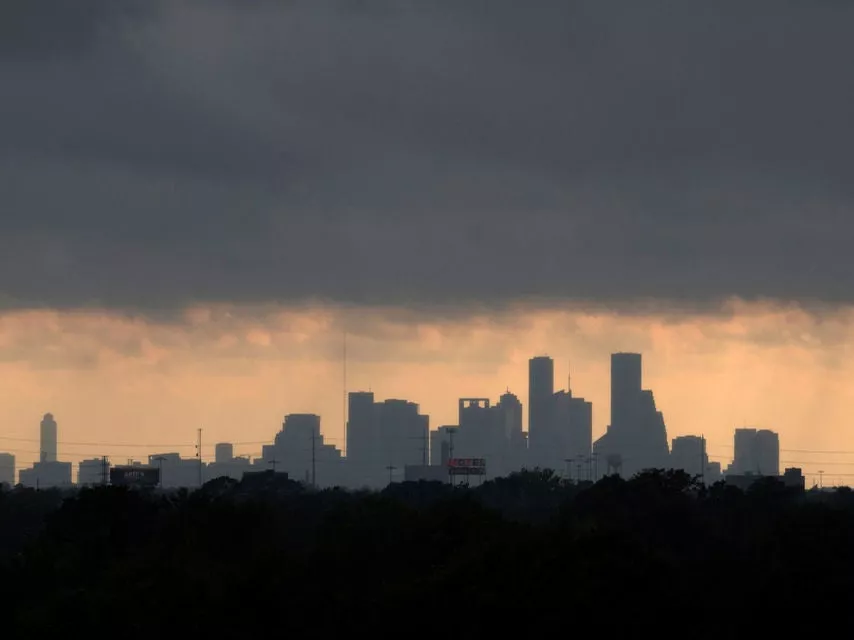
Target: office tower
x=688 y=453
x=391 y=433
x=481 y=434
x=573 y=439
x=755 y=453
x=541 y=375
x=48 y=439
x=404 y=435
x=626 y=385
x=509 y=416
x=362 y=429
x=7 y=469
x=299 y=450
x=767 y=453
x=224 y=452
x=636 y=439
x=442 y=444
x=92 y=472
x=744 y=459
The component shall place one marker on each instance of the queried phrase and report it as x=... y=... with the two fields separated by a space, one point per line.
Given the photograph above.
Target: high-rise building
x=756 y=452
x=223 y=452
x=48 y=439
x=509 y=416
x=573 y=437
x=541 y=386
x=299 y=450
x=392 y=433
x=362 y=429
x=688 y=453
x=93 y=472
x=44 y=475
x=442 y=444
x=626 y=385
x=7 y=469
x=404 y=435
x=767 y=452
x=636 y=439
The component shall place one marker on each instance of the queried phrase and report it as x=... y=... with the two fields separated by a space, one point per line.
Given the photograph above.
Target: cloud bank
x=441 y=153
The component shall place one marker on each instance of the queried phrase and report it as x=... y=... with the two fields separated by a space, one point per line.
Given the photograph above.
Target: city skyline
x=626 y=369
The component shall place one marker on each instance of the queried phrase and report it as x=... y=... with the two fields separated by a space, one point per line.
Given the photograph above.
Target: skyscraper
x=7 y=469
x=767 y=452
x=626 y=385
x=541 y=386
x=223 y=452
x=362 y=428
x=636 y=439
x=755 y=453
x=48 y=439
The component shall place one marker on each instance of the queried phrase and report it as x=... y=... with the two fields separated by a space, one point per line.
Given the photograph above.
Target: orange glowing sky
x=114 y=380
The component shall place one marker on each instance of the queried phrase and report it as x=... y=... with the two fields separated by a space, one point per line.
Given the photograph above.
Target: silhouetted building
x=636 y=439
x=392 y=433
x=756 y=452
x=688 y=453
x=428 y=473
x=44 y=475
x=793 y=477
x=300 y=451
x=48 y=432
x=176 y=471
x=541 y=385
x=767 y=452
x=509 y=415
x=93 y=472
x=571 y=439
x=224 y=452
x=441 y=443
x=7 y=469
x=234 y=468
x=713 y=472
x=364 y=466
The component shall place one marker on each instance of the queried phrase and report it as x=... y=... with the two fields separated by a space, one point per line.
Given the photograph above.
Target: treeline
x=528 y=554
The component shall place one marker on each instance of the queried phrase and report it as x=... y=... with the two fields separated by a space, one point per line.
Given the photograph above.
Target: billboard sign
x=135 y=476
x=467 y=466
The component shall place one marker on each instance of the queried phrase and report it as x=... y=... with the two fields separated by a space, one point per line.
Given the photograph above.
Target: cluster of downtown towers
x=391 y=440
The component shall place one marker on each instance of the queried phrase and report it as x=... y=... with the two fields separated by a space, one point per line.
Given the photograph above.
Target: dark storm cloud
x=156 y=154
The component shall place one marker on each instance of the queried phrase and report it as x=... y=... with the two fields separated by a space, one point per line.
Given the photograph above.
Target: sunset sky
x=198 y=199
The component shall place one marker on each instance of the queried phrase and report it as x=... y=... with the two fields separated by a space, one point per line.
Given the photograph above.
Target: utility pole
x=820 y=474
x=199 y=455
x=568 y=468
x=390 y=468
x=451 y=433
x=313 y=459
x=703 y=459
x=104 y=474
x=344 y=394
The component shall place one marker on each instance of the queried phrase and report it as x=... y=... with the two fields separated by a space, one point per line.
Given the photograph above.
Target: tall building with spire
x=48 y=440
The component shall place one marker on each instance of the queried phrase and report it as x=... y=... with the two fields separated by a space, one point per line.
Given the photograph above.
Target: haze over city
x=199 y=199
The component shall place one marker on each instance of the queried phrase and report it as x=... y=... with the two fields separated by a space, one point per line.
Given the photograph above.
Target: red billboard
x=467 y=466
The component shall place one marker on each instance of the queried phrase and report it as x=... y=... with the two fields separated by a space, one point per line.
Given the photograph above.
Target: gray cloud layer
x=441 y=151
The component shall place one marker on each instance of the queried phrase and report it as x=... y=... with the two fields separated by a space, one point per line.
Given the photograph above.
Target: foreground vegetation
x=527 y=554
